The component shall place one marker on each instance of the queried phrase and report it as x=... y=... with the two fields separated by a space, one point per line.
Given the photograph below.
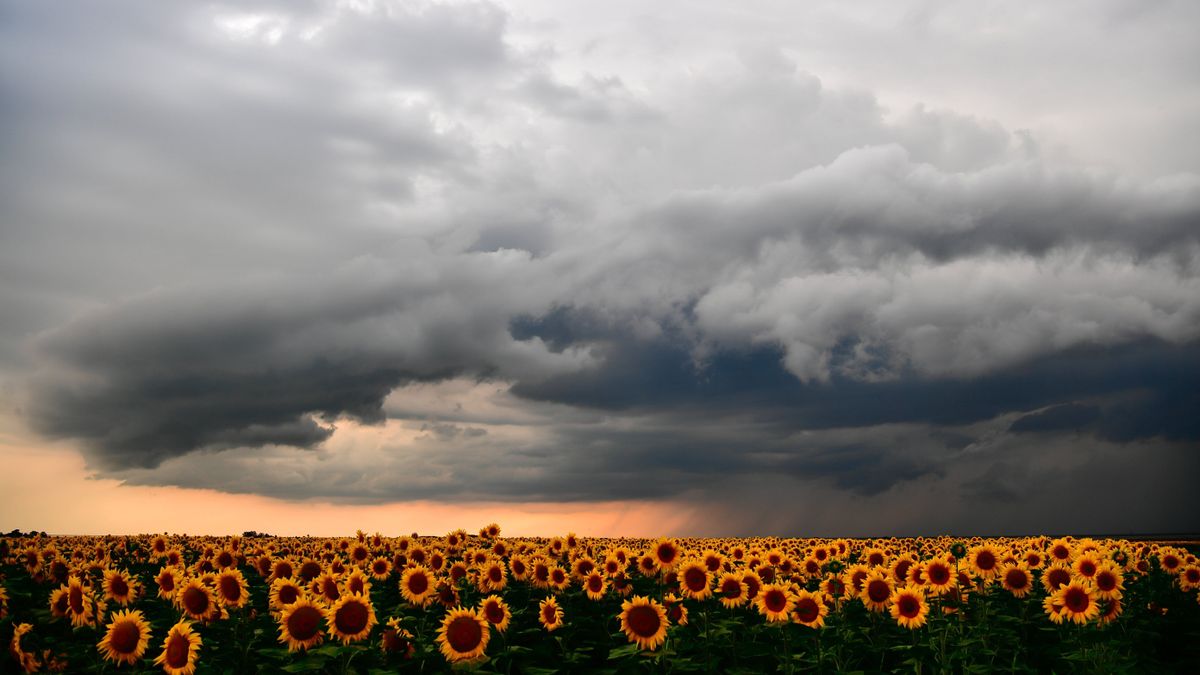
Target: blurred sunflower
x=774 y=602
x=357 y=582
x=300 y=624
x=644 y=622
x=126 y=639
x=676 y=612
x=119 y=587
x=1086 y=564
x=197 y=600
x=396 y=640
x=380 y=568
x=665 y=553
x=908 y=607
x=28 y=661
x=1055 y=576
x=463 y=635
x=810 y=609
x=285 y=591
x=493 y=576
x=1078 y=601
x=180 y=650
x=1016 y=579
x=167 y=580
x=595 y=586
x=939 y=575
x=79 y=602
x=984 y=561
x=550 y=614
x=496 y=612
x=416 y=585
x=1108 y=581
x=695 y=581
x=231 y=588
x=876 y=591
x=351 y=618
x=732 y=590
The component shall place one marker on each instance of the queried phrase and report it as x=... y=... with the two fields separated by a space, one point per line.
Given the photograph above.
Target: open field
x=369 y=603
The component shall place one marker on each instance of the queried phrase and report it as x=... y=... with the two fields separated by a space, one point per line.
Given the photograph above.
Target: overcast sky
x=786 y=268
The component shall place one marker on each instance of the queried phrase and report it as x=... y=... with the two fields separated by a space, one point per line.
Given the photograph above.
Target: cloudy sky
x=703 y=267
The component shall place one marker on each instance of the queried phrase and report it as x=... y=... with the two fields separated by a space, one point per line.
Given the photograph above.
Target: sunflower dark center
x=908 y=606
x=167 y=582
x=351 y=618
x=1016 y=579
x=666 y=553
x=493 y=612
x=1087 y=568
x=1076 y=599
x=60 y=605
x=595 y=583
x=696 y=579
x=177 y=651
x=878 y=591
x=231 y=589
x=1058 y=577
x=310 y=570
x=902 y=568
x=495 y=574
x=288 y=594
x=875 y=559
x=304 y=623
x=807 y=610
x=195 y=600
x=76 y=600
x=119 y=587
x=985 y=560
x=643 y=621
x=731 y=589
x=1105 y=581
x=775 y=600
x=418 y=584
x=125 y=637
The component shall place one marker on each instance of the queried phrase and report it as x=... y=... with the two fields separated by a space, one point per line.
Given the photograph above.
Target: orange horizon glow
x=78 y=503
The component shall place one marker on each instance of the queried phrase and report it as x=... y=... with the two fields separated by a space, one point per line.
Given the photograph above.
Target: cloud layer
x=453 y=251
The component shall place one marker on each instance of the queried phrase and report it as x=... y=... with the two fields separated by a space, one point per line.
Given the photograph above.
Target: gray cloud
x=233 y=235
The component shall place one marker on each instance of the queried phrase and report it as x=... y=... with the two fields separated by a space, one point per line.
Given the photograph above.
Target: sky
x=624 y=269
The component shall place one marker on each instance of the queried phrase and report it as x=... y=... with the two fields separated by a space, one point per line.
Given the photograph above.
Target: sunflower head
x=126 y=639
x=550 y=614
x=300 y=624
x=496 y=612
x=180 y=650
x=463 y=635
x=908 y=607
x=644 y=622
x=810 y=609
x=775 y=602
x=351 y=618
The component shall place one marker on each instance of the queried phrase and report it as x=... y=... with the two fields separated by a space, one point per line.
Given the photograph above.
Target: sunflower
x=648 y=565
x=1086 y=565
x=518 y=567
x=665 y=553
x=559 y=580
x=1016 y=579
x=582 y=567
x=119 y=587
x=732 y=590
x=676 y=612
x=595 y=586
x=197 y=600
x=464 y=635
x=775 y=601
x=984 y=561
x=550 y=614
x=281 y=569
x=493 y=577
x=231 y=588
x=3 y=602
x=908 y=607
x=416 y=585
x=496 y=611
x=180 y=650
x=79 y=602
x=810 y=609
x=753 y=584
x=1034 y=559
x=351 y=618
x=1110 y=610
x=127 y=638
x=300 y=624
x=621 y=584
x=396 y=640
x=695 y=581
x=28 y=661
x=876 y=591
x=856 y=575
x=58 y=601
x=168 y=581
x=327 y=586
x=835 y=587
x=1055 y=576
x=1189 y=578
x=1108 y=581
x=939 y=575
x=357 y=582
x=380 y=568
x=285 y=591
x=1060 y=550
x=644 y=622
x=1078 y=601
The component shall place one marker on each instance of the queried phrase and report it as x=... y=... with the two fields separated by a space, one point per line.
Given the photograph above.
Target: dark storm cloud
x=232 y=234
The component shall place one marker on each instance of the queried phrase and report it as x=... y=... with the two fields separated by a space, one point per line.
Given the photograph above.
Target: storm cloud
x=465 y=251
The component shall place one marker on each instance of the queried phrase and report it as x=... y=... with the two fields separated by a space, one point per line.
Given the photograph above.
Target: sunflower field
x=375 y=604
